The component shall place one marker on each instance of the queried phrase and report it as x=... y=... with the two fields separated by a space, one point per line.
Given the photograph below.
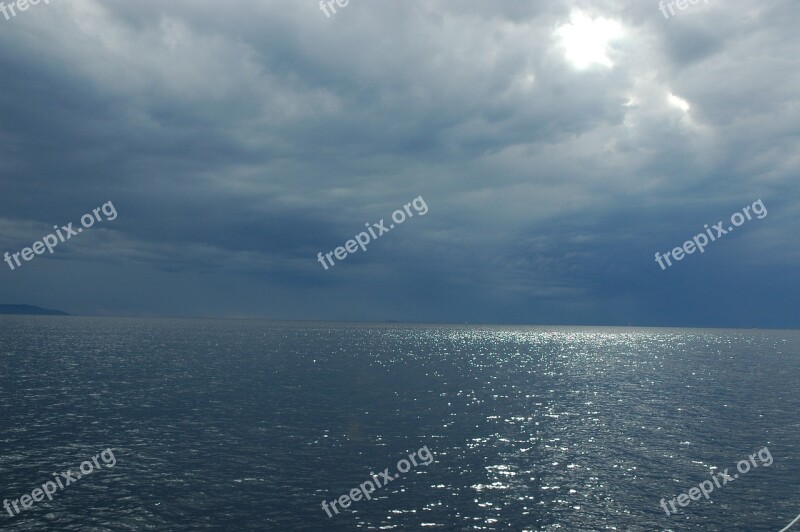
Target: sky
x=557 y=147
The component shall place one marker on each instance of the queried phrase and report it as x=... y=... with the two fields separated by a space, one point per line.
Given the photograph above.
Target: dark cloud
x=237 y=140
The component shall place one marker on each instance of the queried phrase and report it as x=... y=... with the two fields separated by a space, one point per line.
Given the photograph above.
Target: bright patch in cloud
x=677 y=101
x=586 y=40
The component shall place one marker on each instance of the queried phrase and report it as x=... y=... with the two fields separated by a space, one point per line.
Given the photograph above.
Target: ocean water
x=251 y=425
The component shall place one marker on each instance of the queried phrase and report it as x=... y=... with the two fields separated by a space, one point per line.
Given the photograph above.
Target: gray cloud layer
x=237 y=140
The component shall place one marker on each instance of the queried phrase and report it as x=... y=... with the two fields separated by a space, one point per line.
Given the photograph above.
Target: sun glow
x=586 y=40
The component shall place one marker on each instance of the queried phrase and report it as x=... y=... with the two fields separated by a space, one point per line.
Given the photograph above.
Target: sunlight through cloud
x=677 y=101
x=586 y=40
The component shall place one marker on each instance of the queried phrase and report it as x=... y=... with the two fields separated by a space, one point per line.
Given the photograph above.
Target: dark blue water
x=249 y=425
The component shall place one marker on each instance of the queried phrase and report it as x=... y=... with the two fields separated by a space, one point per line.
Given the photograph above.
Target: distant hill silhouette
x=30 y=310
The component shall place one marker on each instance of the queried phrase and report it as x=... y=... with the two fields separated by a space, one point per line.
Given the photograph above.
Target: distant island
x=30 y=310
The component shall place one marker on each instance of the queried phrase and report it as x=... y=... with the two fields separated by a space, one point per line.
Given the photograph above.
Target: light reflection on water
x=237 y=424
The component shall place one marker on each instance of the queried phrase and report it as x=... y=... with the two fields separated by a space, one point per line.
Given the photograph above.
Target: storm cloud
x=558 y=148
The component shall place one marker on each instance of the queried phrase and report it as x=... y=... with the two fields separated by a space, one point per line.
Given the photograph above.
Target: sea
x=256 y=425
